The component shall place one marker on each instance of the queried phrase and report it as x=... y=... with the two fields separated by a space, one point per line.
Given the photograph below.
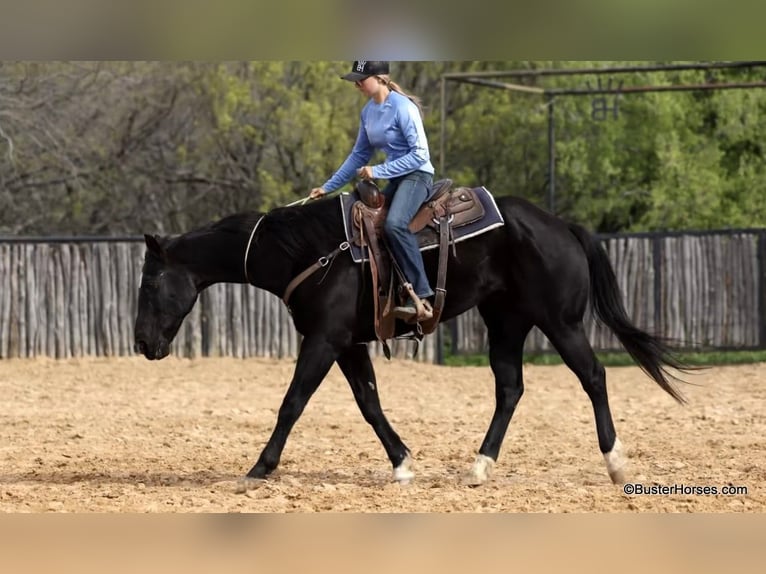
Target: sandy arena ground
x=129 y=435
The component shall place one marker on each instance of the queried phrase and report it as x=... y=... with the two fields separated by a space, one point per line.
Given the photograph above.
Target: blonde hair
x=386 y=80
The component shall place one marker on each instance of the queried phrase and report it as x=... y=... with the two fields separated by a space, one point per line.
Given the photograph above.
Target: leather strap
x=441 y=276
x=321 y=262
x=379 y=272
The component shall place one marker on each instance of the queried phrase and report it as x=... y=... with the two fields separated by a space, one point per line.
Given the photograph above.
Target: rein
x=319 y=264
x=249 y=242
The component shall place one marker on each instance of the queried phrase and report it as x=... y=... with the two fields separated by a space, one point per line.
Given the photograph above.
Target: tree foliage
x=125 y=147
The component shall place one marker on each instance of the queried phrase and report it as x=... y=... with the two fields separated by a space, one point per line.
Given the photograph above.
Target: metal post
x=761 y=290
x=657 y=251
x=551 y=155
x=443 y=129
x=442 y=138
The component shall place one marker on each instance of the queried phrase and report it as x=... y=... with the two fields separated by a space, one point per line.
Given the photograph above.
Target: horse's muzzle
x=159 y=351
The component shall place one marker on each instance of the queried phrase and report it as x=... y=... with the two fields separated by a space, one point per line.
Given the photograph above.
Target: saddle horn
x=370 y=194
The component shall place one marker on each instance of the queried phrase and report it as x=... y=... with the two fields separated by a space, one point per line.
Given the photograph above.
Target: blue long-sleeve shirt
x=395 y=127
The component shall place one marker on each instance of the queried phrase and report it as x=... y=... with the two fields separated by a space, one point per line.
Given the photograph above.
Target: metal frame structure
x=492 y=79
x=489 y=79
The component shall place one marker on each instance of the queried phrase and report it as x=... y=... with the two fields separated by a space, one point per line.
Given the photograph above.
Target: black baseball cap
x=362 y=69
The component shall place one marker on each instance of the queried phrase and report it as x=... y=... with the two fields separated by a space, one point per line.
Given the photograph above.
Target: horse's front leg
x=357 y=367
x=315 y=358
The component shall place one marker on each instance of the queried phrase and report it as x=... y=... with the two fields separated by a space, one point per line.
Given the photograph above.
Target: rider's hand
x=316 y=192
x=365 y=172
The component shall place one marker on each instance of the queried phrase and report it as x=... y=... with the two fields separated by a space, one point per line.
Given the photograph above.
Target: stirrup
x=405 y=312
x=409 y=313
x=427 y=313
x=415 y=309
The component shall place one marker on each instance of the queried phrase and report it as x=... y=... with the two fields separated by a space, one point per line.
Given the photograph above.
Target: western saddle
x=432 y=224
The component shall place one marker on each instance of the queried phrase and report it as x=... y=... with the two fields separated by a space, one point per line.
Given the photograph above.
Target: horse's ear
x=154 y=245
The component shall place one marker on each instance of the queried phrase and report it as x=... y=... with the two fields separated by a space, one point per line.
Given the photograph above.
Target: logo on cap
x=360 y=65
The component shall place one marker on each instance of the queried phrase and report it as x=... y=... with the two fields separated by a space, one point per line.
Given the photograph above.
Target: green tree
x=128 y=147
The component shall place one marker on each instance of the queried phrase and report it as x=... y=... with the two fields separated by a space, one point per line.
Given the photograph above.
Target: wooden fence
x=79 y=297
x=71 y=299
x=703 y=290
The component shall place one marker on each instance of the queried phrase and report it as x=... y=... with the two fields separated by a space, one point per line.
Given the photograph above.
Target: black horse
x=536 y=270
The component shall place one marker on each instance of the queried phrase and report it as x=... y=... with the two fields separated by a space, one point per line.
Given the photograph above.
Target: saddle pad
x=427 y=239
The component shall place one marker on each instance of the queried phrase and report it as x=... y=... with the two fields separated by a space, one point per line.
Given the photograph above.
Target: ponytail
x=397 y=88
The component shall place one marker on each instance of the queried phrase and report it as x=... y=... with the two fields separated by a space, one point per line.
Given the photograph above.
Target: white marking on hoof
x=403 y=473
x=480 y=471
x=615 y=462
x=246 y=483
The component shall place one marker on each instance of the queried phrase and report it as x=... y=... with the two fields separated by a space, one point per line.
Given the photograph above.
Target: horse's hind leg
x=355 y=364
x=507 y=331
x=573 y=346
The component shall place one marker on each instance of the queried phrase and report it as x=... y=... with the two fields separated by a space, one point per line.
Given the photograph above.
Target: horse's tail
x=653 y=354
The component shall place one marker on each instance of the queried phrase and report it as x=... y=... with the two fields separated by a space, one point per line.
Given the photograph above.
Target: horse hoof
x=615 y=462
x=618 y=477
x=480 y=471
x=248 y=483
x=403 y=474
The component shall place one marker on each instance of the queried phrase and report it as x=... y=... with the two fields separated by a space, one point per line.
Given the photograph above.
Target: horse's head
x=167 y=294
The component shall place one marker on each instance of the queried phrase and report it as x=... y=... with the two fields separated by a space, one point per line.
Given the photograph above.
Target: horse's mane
x=235 y=223
x=298 y=231
x=301 y=230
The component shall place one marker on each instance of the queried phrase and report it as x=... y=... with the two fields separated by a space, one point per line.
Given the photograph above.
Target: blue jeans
x=405 y=195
